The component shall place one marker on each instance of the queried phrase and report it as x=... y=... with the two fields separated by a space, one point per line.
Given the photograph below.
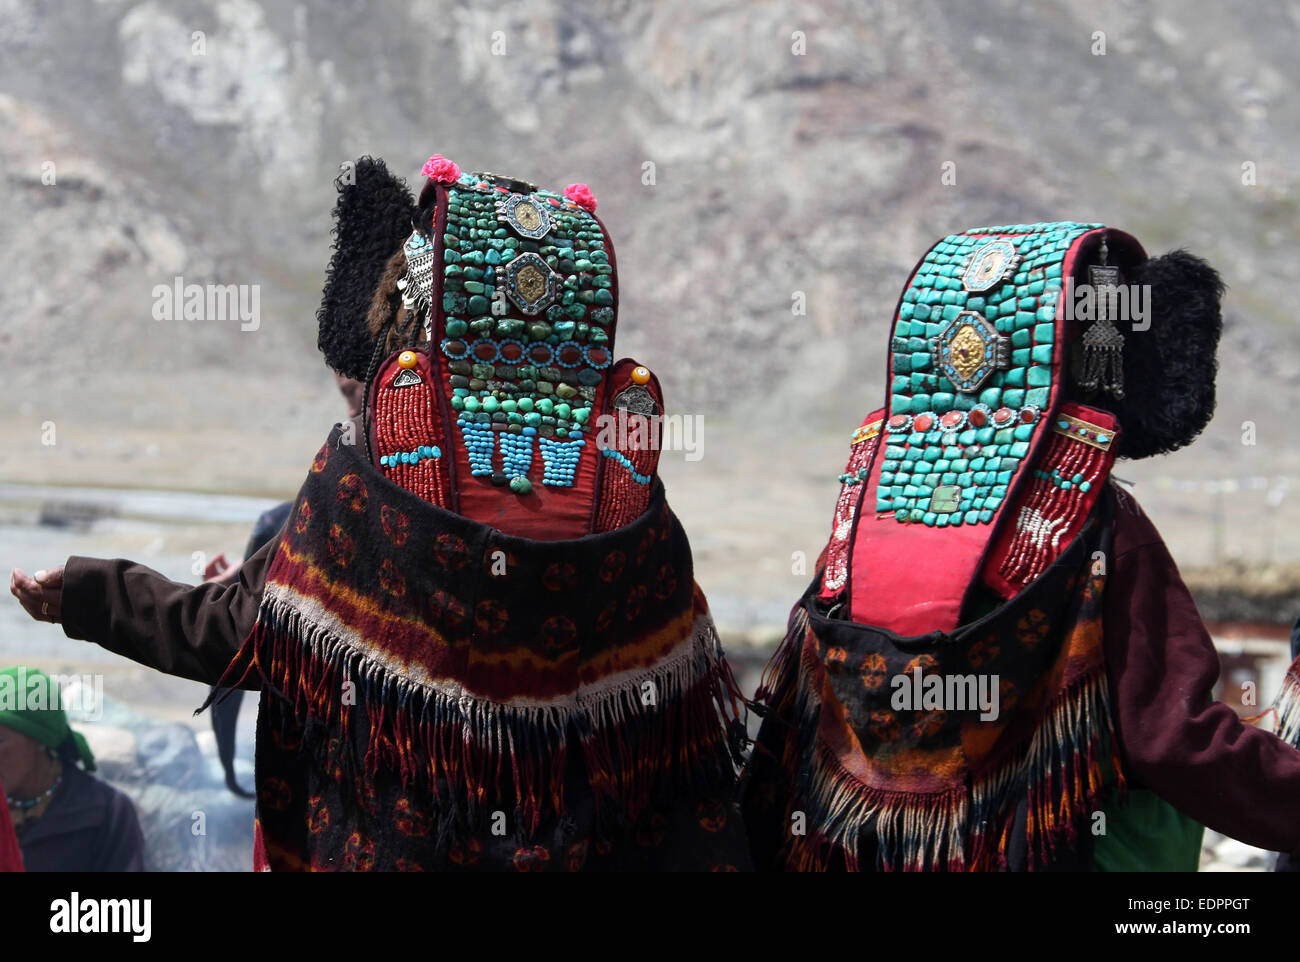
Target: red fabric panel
x=11 y=857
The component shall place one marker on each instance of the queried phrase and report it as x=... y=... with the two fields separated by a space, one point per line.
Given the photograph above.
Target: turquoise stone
x=1042 y=354
x=1038 y=396
x=1013 y=398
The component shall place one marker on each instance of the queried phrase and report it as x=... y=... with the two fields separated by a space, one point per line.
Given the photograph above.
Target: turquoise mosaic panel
x=951 y=476
x=534 y=376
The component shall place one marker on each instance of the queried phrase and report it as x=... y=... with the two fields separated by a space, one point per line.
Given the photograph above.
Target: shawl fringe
x=1059 y=771
x=1287 y=706
x=474 y=755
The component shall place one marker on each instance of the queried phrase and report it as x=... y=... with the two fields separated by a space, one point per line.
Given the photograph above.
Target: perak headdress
x=1023 y=360
x=482 y=319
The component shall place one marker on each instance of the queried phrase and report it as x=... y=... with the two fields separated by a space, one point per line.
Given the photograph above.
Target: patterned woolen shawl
x=440 y=695
x=843 y=777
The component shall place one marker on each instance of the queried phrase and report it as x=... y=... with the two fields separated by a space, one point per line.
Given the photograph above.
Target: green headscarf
x=30 y=703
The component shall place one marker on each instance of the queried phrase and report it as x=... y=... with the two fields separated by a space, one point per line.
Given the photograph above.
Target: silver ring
x=45 y=609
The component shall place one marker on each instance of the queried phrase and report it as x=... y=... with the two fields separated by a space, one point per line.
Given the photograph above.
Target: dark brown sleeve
x=1176 y=740
x=184 y=630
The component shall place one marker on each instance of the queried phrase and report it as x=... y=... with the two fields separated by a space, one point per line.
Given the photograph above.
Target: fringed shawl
x=438 y=694
x=847 y=773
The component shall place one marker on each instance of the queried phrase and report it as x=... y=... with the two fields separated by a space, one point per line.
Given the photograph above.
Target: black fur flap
x=371 y=220
x=1169 y=369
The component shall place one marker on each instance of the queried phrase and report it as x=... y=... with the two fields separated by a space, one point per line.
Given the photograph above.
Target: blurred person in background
x=64 y=818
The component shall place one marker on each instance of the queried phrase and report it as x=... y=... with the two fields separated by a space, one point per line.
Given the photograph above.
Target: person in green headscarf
x=66 y=820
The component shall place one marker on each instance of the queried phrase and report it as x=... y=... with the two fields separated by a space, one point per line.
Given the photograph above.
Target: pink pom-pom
x=581 y=195
x=441 y=170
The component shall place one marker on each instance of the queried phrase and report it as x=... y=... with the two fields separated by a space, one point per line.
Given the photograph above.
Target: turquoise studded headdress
x=1009 y=354
x=975 y=366
x=485 y=336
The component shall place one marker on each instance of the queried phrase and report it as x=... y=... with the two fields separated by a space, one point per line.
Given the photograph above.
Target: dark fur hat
x=1169 y=369
x=371 y=220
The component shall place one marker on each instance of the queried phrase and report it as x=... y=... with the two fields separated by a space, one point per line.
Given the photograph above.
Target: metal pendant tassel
x=417 y=285
x=1100 y=363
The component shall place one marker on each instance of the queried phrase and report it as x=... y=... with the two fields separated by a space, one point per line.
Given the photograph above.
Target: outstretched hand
x=41 y=595
x=220 y=570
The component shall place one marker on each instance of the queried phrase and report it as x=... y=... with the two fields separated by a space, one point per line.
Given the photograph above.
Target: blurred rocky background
x=747 y=157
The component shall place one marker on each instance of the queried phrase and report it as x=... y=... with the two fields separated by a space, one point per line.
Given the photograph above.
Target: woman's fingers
x=51 y=577
x=40 y=598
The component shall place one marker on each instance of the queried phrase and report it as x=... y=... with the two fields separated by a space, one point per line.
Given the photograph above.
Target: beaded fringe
x=1049 y=512
x=1059 y=772
x=406 y=419
x=472 y=754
